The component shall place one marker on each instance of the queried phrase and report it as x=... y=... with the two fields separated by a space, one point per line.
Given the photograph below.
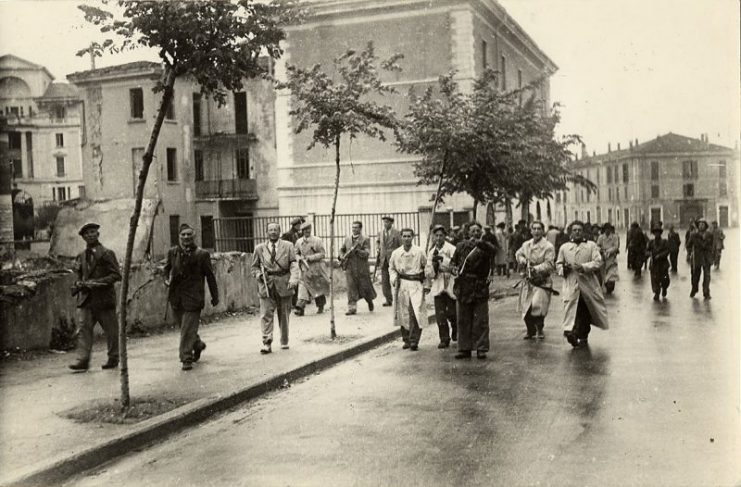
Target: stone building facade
x=42 y=132
x=210 y=161
x=435 y=37
x=671 y=179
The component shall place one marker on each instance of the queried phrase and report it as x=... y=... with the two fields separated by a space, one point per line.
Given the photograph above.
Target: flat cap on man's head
x=305 y=225
x=297 y=220
x=439 y=227
x=388 y=217
x=184 y=226
x=88 y=226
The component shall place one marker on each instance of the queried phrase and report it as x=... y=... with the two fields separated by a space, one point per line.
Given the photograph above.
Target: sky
x=628 y=69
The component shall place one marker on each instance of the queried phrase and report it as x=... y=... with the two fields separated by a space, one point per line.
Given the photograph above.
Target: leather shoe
x=462 y=355
x=350 y=312
x=541 y=335
x=443 y=345
x=284 y=347
x=481 y=355
x=405 y=346
x=299 y=312
x=528 y=337
x=111 y=364
x=198 y=349
x=413 y=348
x=707 y=297
x=370 y=305
x=320 y=310
x=187 y=365
x=692 y=294
x=79 y=366
x=387 y=303
x=571 y=338
x=265 y=349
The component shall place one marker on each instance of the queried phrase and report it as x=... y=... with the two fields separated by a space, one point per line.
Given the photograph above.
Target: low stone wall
x=27 y=323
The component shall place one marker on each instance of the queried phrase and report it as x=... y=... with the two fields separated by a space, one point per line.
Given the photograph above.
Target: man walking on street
x=293 y=233
x=700 y=248
x=672 y=239
x=354 y=261
x=471 y=264
x=276 y=271
x=578 y=262
x=97 y=271
x=186 y=268
x=658 y=251
x=636 y=246
x=536 y=259
x=500 y=259
x=441 y=281
x=609 y=246
x=718 y=238
x=314 y=281
x=407 y=272
x=389 y=239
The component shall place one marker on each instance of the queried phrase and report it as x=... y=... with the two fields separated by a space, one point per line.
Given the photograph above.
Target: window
x=207 y=232
x=689 y=169
x=609 y=175
x=174 y=230
x=172 y=164
x=654 y=170
x=81 y=191
x=61 y=194
x=240 y=112
x=503 y=71
x=17 y=168
x=576 y=214
x=29 y=153
x=722 y=174
x=484 y=55
x=722 y=188
x=609 y=215
x=196 y=114
x=170 y=112
x=58 y=112
x=689 y=190
x=13 y=111
x=625 y=192
x=60 y=140
x=198 y=162
x=654 y=191
x=60 y=166
x=558 y=197
x=609 y=194
x=243 y=163
x=625 y=173
x=617 y=174
x=14 y=140
x=136 y=102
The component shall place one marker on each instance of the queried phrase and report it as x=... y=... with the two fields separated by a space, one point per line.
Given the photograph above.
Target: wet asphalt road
x=653 y=401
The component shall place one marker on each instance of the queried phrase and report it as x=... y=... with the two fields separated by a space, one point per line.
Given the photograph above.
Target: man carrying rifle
x=275 y=268
x=536 y=259
x=186 y=268
x=389 y=239
x=472 y=265
x=407 y=272
x=314 y=281
x=354 y=261
x=97 y=271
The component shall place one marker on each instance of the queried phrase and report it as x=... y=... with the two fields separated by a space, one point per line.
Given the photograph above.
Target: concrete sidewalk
x=40 y=445
x=36 y=394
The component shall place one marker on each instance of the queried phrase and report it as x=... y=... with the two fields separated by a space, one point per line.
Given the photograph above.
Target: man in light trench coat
x=407 y=273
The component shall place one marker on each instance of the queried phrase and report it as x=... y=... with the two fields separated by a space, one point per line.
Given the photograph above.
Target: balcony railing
x=235 y=189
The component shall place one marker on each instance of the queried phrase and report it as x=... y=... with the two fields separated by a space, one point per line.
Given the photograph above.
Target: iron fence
x=243 y=234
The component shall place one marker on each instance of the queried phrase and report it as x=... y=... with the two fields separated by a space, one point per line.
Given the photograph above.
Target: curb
x=159 y=428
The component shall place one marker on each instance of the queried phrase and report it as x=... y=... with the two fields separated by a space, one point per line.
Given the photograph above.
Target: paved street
x=653 y=401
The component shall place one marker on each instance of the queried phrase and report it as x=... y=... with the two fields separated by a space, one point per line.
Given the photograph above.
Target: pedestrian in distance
x=292 y=235
x=97 y=271
x=674 y=244
x=388 y=240
x=579 y=261
x=471 y=264
x=691 y=230
x=314 y=282
x=552 y=235
x=186 y=268
x=354 y=261
x=658 y=252
x=453 y=237
x=636 y=249
x=492 y=239
x=501 y=257
x=718 y=238
x=536 y=261
x=701 y=258
x=275 y=268
x=609 y=246
x=407 y=273
x=438 y=273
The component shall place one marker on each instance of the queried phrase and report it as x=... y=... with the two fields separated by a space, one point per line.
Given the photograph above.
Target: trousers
x=268 y=308
x=188 y=322
x=473 y=326
x=413 y=334
x=445 y=318
x=583 y=321
x=696 y=271
x=534 y=324
x=107 y=319
x=386 y=283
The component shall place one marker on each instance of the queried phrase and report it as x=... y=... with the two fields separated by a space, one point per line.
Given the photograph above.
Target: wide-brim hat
x=87 y=226
x=388 y=217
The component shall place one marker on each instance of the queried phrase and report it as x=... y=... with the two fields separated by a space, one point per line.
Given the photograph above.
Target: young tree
x=217 y=44
x=340 y=105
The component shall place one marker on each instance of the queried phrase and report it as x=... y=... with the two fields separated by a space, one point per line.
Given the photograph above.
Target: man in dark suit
x=389 y=239
x=275 y=268
x=97 y=270
x=186 y=268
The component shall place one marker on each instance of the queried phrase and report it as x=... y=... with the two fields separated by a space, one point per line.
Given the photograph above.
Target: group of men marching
x=291 y=272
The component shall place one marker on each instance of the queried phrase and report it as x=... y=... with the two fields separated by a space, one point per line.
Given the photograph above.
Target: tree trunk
x=475 y=208
x=122 y=300
x=333 y=331
x=443 y=166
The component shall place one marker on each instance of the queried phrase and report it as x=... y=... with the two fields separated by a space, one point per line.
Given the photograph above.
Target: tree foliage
x=500 y=145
